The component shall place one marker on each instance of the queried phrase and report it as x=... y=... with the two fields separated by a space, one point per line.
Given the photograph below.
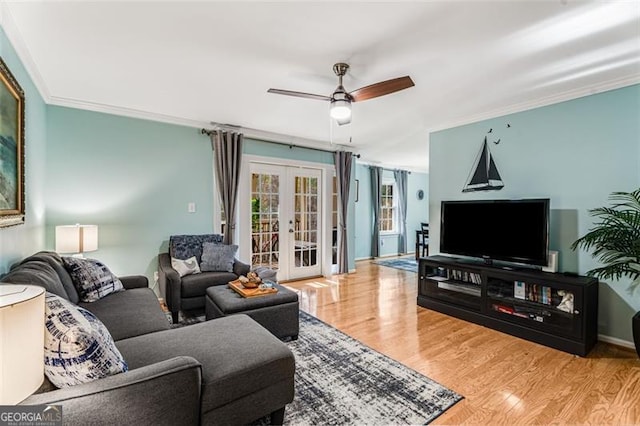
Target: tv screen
x=508 y=230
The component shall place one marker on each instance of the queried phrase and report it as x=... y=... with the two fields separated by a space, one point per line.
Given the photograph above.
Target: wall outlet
x=191 y=207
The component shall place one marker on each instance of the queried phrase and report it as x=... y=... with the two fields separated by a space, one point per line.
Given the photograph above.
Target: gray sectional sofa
x=228 y=371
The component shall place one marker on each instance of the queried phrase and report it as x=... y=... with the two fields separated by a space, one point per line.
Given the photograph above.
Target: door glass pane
x=334 y=223
x=306 y=221
x=265 y=214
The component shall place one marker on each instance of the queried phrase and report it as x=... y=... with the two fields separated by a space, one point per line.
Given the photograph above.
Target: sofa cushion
x=78 y=347
x=239 y=357
x=218 y=257
x=92 y=278
x=37 y=272
x=129 y=313
x=186 y=246
x=196 y=285
x=55 y=261
x=185 y=267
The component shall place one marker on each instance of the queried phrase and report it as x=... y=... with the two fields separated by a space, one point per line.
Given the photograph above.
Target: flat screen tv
x=505 y=230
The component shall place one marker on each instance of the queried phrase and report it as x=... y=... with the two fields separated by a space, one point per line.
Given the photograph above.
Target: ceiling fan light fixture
x=340 y=109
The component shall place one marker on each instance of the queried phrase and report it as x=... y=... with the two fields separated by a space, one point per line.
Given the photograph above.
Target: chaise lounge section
x=225 y=371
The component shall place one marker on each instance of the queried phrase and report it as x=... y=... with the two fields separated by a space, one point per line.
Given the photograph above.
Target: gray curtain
x=343 y=161
x=227 y=154
x=401 y=183
x=376 y=182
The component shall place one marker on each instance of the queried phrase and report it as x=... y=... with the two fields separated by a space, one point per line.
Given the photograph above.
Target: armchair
x=188 y=292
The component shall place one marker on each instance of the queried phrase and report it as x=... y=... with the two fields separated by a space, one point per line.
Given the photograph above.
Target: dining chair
x=424 y=239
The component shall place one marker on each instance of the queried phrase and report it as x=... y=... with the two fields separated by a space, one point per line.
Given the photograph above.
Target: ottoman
x=277 y=312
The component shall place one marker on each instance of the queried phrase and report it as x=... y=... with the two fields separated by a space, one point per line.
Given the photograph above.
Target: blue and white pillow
x=77 y=346
x=218 y=257
x=91 y=278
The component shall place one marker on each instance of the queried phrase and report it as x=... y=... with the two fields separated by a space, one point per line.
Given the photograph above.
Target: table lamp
x=76 y=239
x=21 y=341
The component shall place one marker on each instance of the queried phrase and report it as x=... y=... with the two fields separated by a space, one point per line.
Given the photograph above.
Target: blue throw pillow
x=91 y=278
x=218 y=257
x=78 y=347
x=186 y=246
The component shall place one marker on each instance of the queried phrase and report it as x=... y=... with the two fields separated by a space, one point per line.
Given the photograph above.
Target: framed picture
x=11 y=149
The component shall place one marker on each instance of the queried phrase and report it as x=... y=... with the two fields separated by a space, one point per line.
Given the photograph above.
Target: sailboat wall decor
x=484 y=176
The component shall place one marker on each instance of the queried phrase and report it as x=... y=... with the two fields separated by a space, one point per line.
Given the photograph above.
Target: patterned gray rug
x=404 y=263
x=340 y=381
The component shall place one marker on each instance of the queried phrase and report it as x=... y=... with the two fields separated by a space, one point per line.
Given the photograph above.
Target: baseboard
x=363 y=258
x=617 y=342
x=384 y=256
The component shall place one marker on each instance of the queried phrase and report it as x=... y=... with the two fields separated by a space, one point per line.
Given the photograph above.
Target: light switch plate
x=191 y=207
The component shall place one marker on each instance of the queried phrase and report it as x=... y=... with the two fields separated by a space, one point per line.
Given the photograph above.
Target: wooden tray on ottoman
x=250 y=292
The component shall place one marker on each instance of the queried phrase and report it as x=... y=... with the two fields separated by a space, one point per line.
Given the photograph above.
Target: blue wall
x=134 y=178
x=575 y=153
x=417 y=211
x=19 y=241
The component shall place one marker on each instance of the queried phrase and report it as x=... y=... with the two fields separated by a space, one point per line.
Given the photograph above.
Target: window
x=387 y=207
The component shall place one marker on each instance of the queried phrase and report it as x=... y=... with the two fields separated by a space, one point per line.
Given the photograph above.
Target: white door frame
x=244 y=212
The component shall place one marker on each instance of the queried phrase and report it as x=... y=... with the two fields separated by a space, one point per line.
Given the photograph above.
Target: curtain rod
x=290 y=145
x=386 y=168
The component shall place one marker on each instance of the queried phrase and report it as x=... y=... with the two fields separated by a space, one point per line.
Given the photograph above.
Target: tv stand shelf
x=556 y=310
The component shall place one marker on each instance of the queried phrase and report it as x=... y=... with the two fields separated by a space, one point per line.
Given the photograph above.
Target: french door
x=286 y=229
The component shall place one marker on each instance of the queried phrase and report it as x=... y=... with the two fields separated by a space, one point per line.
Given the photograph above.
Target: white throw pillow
x=185 y=267
x=77 y=346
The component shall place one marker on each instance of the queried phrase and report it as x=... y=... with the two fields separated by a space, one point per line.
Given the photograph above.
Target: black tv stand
x=556 y=310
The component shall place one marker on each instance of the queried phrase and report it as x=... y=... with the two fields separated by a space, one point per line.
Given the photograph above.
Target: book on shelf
x=533 y=292
x=519 y=290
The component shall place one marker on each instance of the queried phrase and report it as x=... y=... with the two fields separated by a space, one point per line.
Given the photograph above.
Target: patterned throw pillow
x=78 y=347
x=218 y=257
x=186 y=246
x=185 y=267
x=92 y=278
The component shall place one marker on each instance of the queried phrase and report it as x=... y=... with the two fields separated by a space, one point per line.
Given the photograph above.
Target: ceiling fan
x=340 y=100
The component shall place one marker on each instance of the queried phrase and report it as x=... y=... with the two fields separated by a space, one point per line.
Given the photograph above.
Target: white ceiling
x=197 y=62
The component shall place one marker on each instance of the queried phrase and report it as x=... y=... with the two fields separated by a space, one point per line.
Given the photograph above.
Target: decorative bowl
x=251 y=284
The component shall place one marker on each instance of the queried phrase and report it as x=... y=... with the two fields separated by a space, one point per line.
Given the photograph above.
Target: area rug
x=404 y=263
x=340 y=381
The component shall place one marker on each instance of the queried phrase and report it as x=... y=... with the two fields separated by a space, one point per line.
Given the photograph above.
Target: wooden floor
x=504 y=379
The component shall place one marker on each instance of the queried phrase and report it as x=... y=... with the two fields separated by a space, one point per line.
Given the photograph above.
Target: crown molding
x=124 y=111
x=181 y=121
x=17 y=41
x=541 y=102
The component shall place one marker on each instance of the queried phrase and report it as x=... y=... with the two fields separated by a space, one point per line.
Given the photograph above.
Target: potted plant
x=615 y=242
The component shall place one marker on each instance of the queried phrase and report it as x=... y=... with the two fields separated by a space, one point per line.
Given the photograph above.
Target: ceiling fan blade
x=342 y=122
x=299 y=94
x=382 y=88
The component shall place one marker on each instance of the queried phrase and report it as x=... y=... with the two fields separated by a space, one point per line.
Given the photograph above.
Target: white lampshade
x=76 y=238
x=340 y=109
x=21 y=341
